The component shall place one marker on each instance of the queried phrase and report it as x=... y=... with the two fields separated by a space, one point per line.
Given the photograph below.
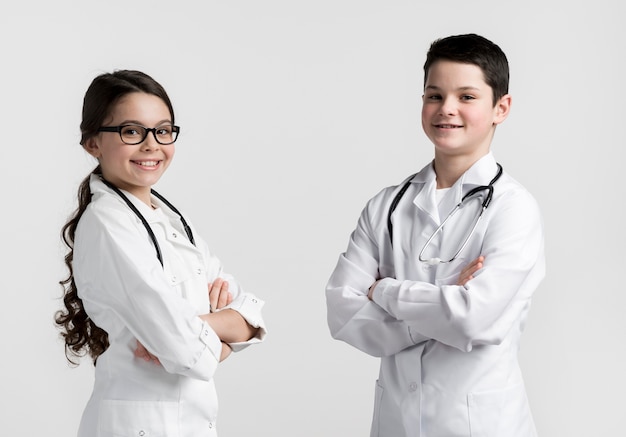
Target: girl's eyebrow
x=137 y=122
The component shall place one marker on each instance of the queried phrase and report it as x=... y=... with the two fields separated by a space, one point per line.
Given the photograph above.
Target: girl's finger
x=214 y=293
x=223 y=298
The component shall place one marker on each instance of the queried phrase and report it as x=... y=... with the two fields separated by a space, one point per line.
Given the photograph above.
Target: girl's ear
x=92 y=147
x=502 y=109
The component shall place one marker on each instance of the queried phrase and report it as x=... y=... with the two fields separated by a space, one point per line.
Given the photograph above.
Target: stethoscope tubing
x=145 y=223
x=485 y=204
x=468 y=195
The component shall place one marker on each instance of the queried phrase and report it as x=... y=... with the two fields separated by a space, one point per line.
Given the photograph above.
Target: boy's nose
x=448 y=106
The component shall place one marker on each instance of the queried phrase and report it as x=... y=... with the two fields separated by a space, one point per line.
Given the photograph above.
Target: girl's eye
x=165 y=130
x=131 y=131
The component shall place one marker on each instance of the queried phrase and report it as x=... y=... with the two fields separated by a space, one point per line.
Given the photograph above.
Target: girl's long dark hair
x=80 y=333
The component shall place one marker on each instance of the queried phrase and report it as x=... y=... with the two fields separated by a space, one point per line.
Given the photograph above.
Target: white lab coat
x=127 y=292
x=448 y=353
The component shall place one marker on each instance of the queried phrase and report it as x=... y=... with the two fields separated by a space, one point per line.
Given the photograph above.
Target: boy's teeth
x=147 y=163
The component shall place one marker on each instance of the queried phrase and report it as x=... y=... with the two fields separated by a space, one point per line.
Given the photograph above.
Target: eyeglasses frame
x=118 y=129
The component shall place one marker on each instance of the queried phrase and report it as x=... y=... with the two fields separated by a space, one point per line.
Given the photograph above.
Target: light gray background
x=294 y=114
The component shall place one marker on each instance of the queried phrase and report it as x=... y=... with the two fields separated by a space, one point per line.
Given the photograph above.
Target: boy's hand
x=370 y=292
x=142 y=353
x=468 y=272
x=219 y=296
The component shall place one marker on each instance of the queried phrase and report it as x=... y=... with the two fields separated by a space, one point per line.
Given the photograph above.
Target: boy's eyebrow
x=462 y=88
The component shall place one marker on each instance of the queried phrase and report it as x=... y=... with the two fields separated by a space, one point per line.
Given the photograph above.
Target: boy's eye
x=467 y=97
x=434 y=97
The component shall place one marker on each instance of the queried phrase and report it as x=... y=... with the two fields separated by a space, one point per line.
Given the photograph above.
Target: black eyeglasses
x=132 y=134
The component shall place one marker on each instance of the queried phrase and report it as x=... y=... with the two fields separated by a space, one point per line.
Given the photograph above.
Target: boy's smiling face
x=458 y=112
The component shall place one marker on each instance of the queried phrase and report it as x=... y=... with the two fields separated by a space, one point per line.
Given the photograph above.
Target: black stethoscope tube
x=472 y=192
x=157 y=248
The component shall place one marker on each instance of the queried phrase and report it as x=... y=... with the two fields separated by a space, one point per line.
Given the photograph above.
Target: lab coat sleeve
x=119 y=278
x=484 y=310
x=246 y=304
x=352 y=317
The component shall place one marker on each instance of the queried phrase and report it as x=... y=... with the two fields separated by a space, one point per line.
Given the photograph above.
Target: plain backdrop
x=294 y=114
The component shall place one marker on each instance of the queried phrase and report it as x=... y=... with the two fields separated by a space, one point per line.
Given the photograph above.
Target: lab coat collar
x=425 y=199
x=480 y=173
x=151 y=215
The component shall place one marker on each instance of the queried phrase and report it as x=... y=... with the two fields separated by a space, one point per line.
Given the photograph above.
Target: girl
x=144 y=297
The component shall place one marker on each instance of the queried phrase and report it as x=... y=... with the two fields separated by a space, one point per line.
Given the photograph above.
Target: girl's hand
x=228 y=324
x=142 y=353
x=219 y=296
x=226 y=351
x=468 y=272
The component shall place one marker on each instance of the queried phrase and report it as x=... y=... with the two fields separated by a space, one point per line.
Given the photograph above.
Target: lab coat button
x=174 y=235
x=173 y=279
x=210 y=424
x=141 y=433
x=199 y=271
x=254 y=301
x=413 y=386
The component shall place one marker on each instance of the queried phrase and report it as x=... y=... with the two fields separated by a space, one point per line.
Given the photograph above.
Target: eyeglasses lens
x=133 y=134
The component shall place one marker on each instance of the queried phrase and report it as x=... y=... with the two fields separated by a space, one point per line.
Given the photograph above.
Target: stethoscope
x=485 y=204
x=145 y=222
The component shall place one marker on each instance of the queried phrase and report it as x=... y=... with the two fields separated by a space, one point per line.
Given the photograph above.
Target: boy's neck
x=450 y=168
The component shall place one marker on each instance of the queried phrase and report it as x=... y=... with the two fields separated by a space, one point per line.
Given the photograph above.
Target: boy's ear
x=502 y=108
x=91 y=146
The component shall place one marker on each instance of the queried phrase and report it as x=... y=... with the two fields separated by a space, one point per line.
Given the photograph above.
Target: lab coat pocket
x=387 y=420
x=496 y=413
x=378 y=397
x=138 y=419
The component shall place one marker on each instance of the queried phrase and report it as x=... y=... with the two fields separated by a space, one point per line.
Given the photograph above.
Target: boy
x=444 y=307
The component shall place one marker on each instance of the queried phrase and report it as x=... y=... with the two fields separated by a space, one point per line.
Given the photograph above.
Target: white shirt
x=127 y=292
x=448 y=353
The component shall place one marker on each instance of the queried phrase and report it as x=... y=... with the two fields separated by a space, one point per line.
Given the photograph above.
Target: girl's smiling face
x=458 y=112
x=133 y=168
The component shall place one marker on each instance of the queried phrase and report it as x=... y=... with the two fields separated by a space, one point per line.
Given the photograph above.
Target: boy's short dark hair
x=477 y=50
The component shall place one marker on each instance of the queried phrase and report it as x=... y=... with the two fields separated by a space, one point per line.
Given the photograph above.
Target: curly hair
x=80 y=333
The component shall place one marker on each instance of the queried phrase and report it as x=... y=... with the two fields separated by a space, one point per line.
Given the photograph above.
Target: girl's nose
x=150 y=143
